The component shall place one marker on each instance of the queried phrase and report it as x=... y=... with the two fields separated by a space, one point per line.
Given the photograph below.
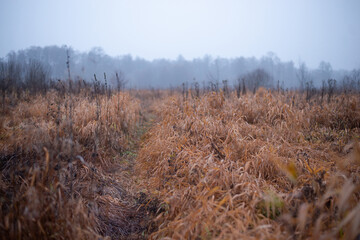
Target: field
x=164 y=164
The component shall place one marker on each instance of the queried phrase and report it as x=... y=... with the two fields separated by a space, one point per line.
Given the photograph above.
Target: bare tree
x=214 y=80
x=243 y=86
x=303 y=75
x=310 y=89
x=258 y=78
x=326 y=70
x=4 y=81
x=36 y=78
x=323 y=90
x=119 y=81
x=238 y=87
x=196 y=88
x=10 y=76
x=348 y=84
x=226 y=89
x=331 y=88
x=355 y=78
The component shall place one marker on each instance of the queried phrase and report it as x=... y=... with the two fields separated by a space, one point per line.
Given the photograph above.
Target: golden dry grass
x=263 y=166
x=259 y=167
x=65 y=168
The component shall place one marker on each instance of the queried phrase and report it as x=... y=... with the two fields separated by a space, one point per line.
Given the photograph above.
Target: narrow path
x=130 y=210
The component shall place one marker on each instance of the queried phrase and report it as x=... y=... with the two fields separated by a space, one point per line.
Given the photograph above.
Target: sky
x=297 y=30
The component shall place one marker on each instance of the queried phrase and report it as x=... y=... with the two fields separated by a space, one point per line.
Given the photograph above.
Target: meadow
x=97 y=163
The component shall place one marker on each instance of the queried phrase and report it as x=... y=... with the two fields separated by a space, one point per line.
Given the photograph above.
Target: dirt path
x=127 y=211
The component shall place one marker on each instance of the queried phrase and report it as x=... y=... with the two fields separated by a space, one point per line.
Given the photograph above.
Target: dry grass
x=65 y=167
x=262 y=166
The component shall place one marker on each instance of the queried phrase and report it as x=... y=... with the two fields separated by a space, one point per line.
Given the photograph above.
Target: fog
x=164 y=43
x=165 y=73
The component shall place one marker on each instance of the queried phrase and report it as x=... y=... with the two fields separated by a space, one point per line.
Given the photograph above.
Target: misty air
x=177 y=119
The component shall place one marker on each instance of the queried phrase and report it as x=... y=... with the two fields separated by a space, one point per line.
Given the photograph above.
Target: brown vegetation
x=65 y=166
x=213 y=166
x=261 y=166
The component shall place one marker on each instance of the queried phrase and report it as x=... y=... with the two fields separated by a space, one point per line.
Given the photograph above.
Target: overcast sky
x=295 y=30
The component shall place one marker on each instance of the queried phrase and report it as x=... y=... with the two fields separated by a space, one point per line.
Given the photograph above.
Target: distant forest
x=52 y=63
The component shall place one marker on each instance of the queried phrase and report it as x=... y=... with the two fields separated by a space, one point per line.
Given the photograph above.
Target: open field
x=163 y=164
x=184 y=120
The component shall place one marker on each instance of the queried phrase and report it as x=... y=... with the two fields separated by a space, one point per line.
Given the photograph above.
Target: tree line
x=37 y=69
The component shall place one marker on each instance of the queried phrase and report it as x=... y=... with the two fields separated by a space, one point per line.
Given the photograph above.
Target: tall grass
x=61 y=169
x=259 y=166
x=220 y=165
